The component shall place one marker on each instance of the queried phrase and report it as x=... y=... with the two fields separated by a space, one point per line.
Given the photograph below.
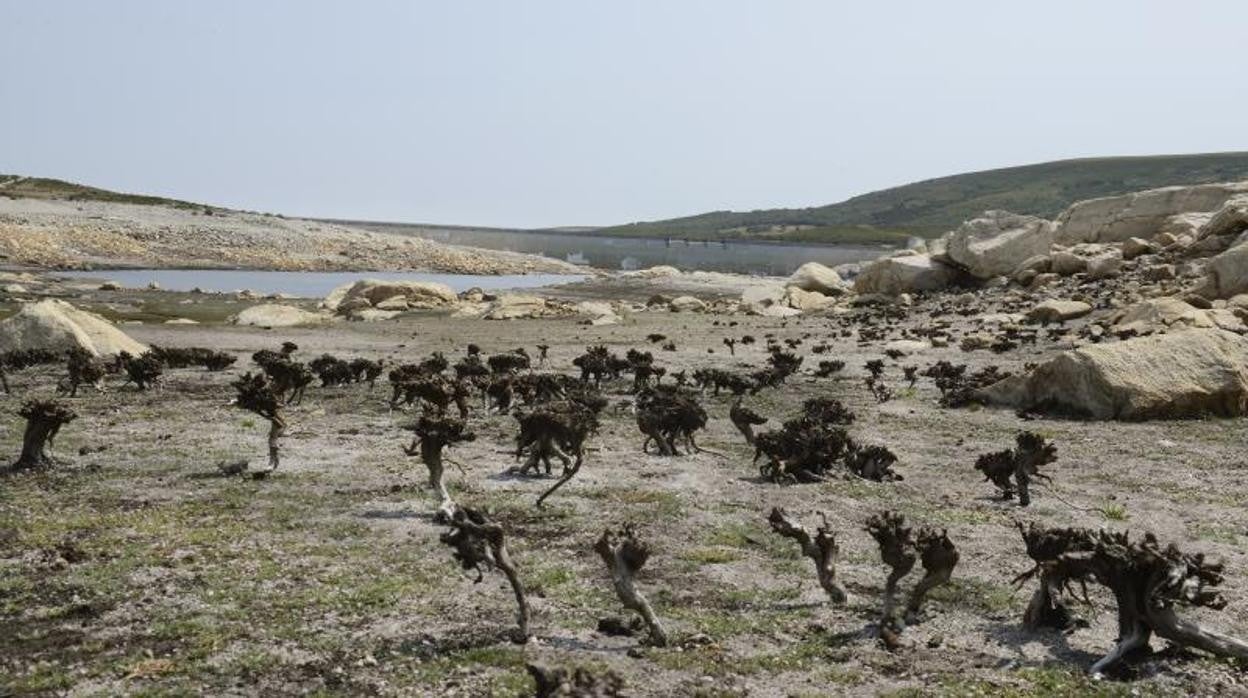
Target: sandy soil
x=135 y=567
x=84 y=234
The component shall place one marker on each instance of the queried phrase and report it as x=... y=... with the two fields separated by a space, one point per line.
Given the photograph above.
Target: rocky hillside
x=86 y=232
x=933 y=206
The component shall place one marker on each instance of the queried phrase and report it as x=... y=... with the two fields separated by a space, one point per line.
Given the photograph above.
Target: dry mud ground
x=137 y=569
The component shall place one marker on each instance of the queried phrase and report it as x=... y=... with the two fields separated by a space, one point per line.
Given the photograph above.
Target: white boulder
x=1139 y=214
x=904 y=273
x=58 y=326
x=372 y=292
x=277 y=315
x=1168 y=376
x=813 y=276
x=997 y=243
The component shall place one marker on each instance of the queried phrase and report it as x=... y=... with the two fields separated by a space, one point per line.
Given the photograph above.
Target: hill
x=19 y=187
x=931 y=207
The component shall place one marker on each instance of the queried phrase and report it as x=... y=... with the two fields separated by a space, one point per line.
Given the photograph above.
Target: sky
x=585 y=112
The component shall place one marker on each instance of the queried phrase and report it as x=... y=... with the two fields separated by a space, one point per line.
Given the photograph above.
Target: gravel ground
x=136 y=568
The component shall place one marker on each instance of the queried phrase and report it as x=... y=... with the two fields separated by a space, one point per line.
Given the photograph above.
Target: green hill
x=931 y=207
x=18 y=187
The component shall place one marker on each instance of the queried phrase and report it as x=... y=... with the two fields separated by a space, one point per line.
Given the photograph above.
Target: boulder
x=813 y=276
x=1226 y=275
x=13 y=289
x=597 y=313
x=1168 y=376
x=1078 y=259
x=1231 y=219
x=1169 y=313
x=997 y=243
x=1140 y=214
x=756 y=298
x=58 y=326
x=904 y=273
x=515 y=306
x=1106 y=264
x=1059 y=311
x=416 y=294
x=659 y=272
x=686 y=304
x=805 y=301
x=276 y=315
x=1137 y=247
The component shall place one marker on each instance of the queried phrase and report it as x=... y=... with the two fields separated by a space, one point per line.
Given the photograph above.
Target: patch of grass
x=1114 y=512
x=975 y=595
x=709 y=556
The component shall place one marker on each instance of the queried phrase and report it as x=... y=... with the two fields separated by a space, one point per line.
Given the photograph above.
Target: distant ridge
x=932 y=206
x=889 y=216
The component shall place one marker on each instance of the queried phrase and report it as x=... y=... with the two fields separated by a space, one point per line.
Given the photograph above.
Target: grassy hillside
x=930 y=207
x=18 y=187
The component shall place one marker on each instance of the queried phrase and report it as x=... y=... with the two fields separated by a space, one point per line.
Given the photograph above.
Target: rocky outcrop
x=277 y=315
x=1141 y=214
x=388 y=295
x=1171 y=376
x=904 y=273
x=805 y=301
x=517 y=306
x=1059 y=311
x=1226 y=275
x=813 y=276
x=1104 y=260
x=686 y=304
x=58 y=326
x=1160 y=314
x=1231 y=219
x=997 y=243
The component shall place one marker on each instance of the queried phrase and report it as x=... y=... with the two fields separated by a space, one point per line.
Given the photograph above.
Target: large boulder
x=998 y=242
x=371 y=293
x=58 y=326
x=277 y=315
x=813 y=276
x=1169 y=376
x=1156 y=314
x=516 y=306
x=1226 y=275
x=754 y=299
x=1059 y=311
x=686 y=304
x=1140 y=214
x=805 y=301
x=1231 y=219
x=904 y=273
x=1085 y=257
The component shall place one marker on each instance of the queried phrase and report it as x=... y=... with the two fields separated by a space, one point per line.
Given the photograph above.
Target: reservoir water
x=306 y=284
x=620 y=253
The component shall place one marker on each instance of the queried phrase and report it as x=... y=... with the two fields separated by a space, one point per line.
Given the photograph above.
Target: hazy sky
x=534 y=112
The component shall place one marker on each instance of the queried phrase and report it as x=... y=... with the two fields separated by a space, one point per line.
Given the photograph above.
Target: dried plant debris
x=669 y=416
x=821 y=548
x=433 y=433
x=816 y=445
x=1148 y=582
x=900 y=548
x=625 y=555
x=480 y=545
x=1013 y=469
x=256 y=394
x=44 y=419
